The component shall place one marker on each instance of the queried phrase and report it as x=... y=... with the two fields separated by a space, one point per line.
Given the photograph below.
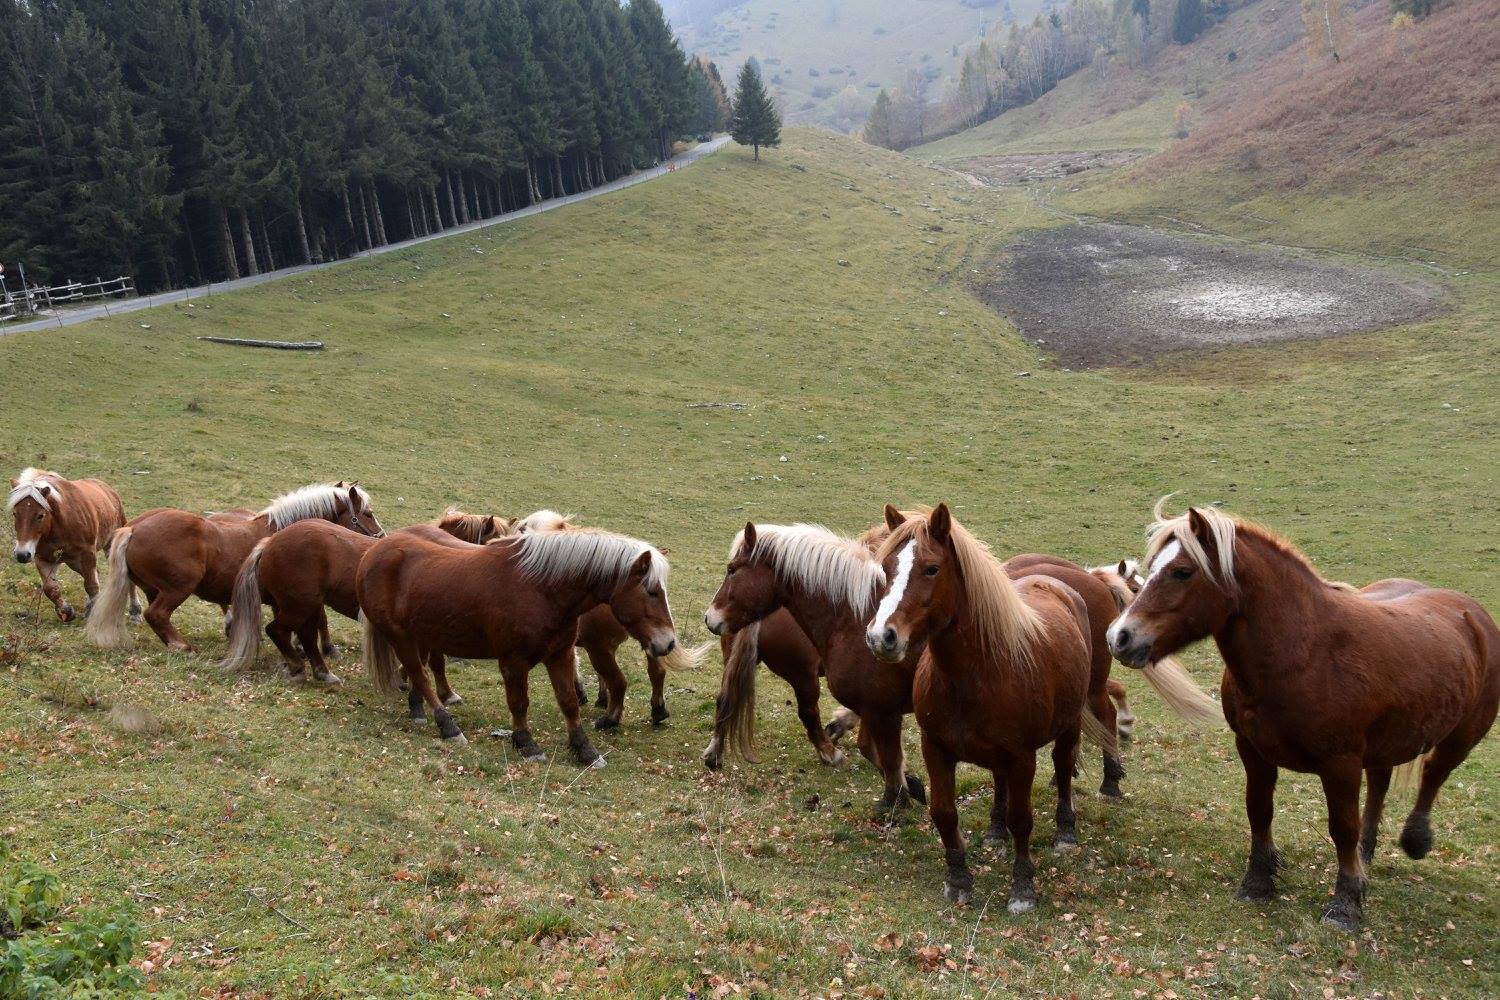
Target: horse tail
x=106 y=625
x=686 y=658
x=1124 y=718
x=734 y=716
x=1098 y=733
x=379 y=658
x=1177 y=691
x=244 y=610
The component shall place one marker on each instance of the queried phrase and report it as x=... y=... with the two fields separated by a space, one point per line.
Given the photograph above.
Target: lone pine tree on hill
x=756 y=122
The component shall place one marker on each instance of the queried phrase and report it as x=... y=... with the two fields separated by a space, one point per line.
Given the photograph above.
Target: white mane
x=543 y=520
x=1166 y=530
x=595 y=556
x=318 y=500
x=28 y=487
x=814 y=558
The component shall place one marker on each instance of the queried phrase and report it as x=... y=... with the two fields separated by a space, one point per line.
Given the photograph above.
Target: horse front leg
x=1259 y=883
x=1341 y=777
x=516 y=674
x=562 y=670
x=657 y=671
x=86 y=565
x=48 y=572
x=1064 y=756
x=1377 y=783
x=884 y=733
x=1019 y=820
x=958 y=884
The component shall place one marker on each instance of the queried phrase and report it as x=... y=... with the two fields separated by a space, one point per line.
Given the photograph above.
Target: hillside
x=793 y=339
x=827 y=59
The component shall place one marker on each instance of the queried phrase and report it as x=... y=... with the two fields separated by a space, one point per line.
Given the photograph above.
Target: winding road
x=106 y=309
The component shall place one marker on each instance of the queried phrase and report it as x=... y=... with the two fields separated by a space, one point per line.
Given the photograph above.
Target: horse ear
x=940 y=523
x=14 y=483
x=1201 y=528
x=45 y=489
x=354 y=497
x=749 y=542
x=893 y=517
x=1123 y=569
x=642 y=565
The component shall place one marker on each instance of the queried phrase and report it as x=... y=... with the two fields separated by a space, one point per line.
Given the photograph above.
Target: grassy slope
x=870 y=41
x=1113 y=106
x=552 y=363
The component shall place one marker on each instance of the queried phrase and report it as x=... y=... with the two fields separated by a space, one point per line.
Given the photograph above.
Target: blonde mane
x=27 y=487
x=543 y=520
x=820 y=562
x=317 y=500
x=587 y=553
x=464 y=526
x=1005 y=624
x=1225 y=528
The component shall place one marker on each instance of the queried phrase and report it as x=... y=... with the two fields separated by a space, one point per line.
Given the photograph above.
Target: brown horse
x=600 y=635
x=517 y=600
x=828 y=585
x=1005 y=671
x=64 y=522
x=1320 y=678
x=174 y=554
x=303 y=569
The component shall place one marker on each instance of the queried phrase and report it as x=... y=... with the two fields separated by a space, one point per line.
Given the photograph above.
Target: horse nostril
x=889 y=638
x=1122 y=638
x=671 y=645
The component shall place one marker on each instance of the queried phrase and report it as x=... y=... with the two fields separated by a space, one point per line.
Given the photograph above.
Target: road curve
x=218 y=287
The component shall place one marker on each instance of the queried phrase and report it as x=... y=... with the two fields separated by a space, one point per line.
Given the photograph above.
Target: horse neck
x=821 y=618
x=574 y=598
x=1281 y=601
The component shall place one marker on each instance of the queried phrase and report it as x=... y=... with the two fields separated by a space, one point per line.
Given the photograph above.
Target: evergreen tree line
x=184 y=141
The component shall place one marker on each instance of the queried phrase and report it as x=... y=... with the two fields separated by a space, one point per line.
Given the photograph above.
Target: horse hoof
x=416 y=721
x=454 y=698
x=602 y=701
x=996 y=839
x=712 y=761
x=1255 y=892
x=957 y=894
x=916 y=789
x=1416 y=837
x=456 y=741
x=659 y=714
x=1021 y=904
x=534 y=754
x=332 y=680
x=296 y=678
x=588 y=756
x=606 y=722
x=134 y=618
x=66 y=613
x=1111 y=790
x=1065 y=843
x=1343 y=915
x=834 y=759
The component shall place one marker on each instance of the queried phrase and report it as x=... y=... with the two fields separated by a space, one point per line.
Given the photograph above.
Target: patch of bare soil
x=1027 y=168
x=1097 y=294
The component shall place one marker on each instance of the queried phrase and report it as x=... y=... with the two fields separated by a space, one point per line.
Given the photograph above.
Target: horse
x=303 y=569
x=1005 y=671
x=517 y=600
x=64 y=522
x=1320 y=678
x=827 y=584
x=600 y=635
x=173 y=554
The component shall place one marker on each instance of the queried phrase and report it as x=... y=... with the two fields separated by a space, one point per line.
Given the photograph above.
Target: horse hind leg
x=1416 y=835
x=1377 y=783
x=421 y=684
x=159 y=616
x=998 y=835
x=280 y=634
x=1064 y=753
x=1019 y=820
x=311 y=636
x=611 y=685
x=805 y=690
x=1103 y=709
x=438 y=664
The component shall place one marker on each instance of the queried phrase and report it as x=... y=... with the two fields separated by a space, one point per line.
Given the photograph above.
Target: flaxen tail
x=1124 y=717
x=106 y=625
x=379 y=658
x=1098 y=733
x=244 y=610
x=1177 y=691
x=684 y=658
x=734 y=716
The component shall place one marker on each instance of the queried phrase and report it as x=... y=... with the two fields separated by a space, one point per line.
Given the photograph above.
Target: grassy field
x=299 y=843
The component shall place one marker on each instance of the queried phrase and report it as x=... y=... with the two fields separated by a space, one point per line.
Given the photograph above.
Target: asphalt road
x=107 y=308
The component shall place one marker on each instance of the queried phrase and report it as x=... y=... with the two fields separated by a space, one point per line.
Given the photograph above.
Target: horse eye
x=1182 y=573
x=932 y=570
x=729 y=571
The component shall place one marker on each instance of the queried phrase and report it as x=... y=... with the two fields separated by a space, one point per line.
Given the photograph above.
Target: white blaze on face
x=1162 y=560
x=1165 y=557
x=892 y=599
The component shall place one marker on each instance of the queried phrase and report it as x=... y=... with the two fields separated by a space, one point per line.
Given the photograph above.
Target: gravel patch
x=1098 y=294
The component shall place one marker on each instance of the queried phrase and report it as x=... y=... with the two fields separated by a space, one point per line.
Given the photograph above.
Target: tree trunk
x=411 y=218
x=302 y=231
x=364 y=218
x=448 y=193
x=231 y=265
x=379 y=218
x=349 y=214
x=532 y=195
x=474 y=194
x=265 y=241
x=187 y=230
x=562 y=187
x=251 y=267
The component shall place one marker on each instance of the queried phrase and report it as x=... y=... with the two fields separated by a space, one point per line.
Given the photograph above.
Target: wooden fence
x=34 y=298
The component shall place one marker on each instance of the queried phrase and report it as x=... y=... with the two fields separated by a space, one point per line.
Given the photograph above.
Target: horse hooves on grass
x=1342 y=914
x=996 y=839
x=1065 y=843
x=916 y=789
x=332 y=680
x=712 y=761
x=416 y=721
x=456 y=741
x=957 y=894
x=606 y=722
x=659 y=714
x=1111 y=790
x=1416 y=837
x=602 y=701
x=1255 y=891
x=331 y=652
x=454 y=699
x=833 y=759
x=1021 y=904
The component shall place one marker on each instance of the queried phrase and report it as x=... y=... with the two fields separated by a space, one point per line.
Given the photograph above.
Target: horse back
x=1098 y=599
x=318 y=561
x=91 y=512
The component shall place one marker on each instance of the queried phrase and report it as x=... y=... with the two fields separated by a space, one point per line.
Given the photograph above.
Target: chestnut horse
x=174 y=554
x=1321 y=678
x=517 y=600
x=64 y=522
x=828 y=585
x=1006 y=670
x=303 y=569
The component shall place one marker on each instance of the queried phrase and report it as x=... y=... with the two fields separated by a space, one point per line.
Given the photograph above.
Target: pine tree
x=878 y=127
x=756 y=122
x=1187 y=21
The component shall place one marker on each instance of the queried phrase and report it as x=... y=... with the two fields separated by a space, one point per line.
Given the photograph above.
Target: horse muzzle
x=713 y=620
x=1129 y=646
x=885 y=645
x=25 y=554
x=663 y=646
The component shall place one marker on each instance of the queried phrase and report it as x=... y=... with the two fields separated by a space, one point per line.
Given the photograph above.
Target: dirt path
x=1098 y=294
